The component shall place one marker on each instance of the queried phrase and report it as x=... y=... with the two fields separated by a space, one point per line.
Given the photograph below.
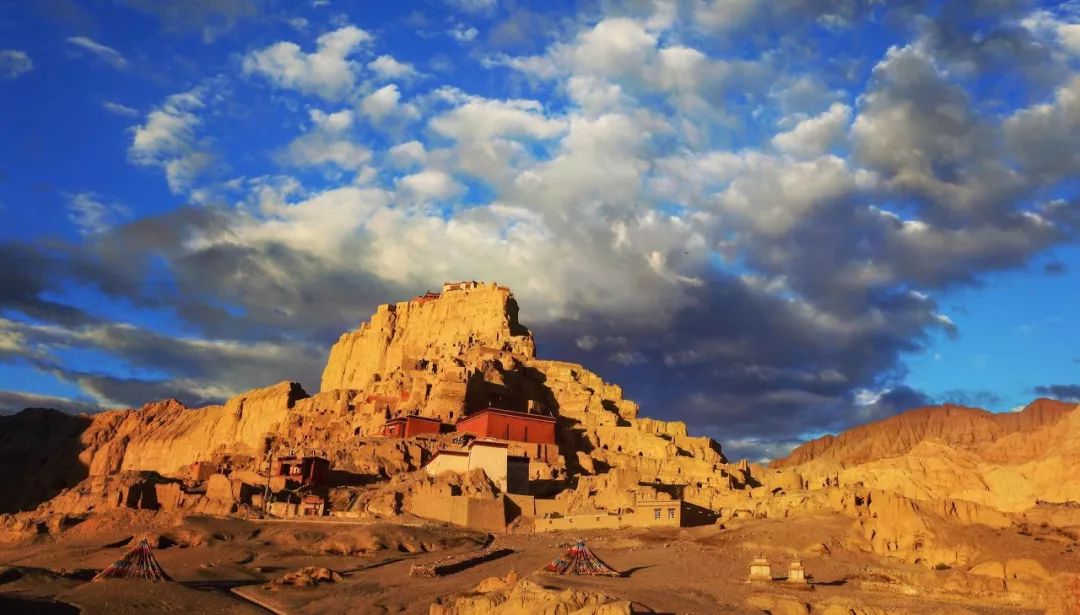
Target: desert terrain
x=228 y=566
x=289 y=502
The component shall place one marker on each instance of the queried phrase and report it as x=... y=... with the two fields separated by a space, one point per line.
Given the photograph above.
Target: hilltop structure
x=414 y=384
x=439 y=408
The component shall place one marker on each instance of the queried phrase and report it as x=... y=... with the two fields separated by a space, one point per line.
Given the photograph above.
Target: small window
x=656 y=513
x=671 y=513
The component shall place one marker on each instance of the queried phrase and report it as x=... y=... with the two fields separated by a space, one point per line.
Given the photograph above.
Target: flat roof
x=489 y=443
x=412 y=417
x=511 y=413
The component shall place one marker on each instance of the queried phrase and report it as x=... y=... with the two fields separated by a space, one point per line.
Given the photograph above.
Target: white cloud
x=628 y=358
x=327 y=72
x=620 y=58
x=1050 y=27
x=119 y=109
x=430 y=184
x=800 y=95
x=167 y=139
x=409 y=153
x=14 y=63
x=381 y=103
x=681 y=68
x=1069 y=35
x=387 y=67
x=774 y=196
x=169 y=128
x=483 y=118
x=723 y=15
x=586 y=342
x=103 y=52
x=328 y=142
x=13 y=340
x=616 y=46
x=463 y=34
x=814 y=136
x=327 y=224
x=1044 y=137
x=182 y=171
x=91 y=215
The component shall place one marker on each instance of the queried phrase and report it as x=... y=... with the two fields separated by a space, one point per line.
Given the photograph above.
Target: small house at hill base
x=307 y=506
x=508 y=425
x=655 y=513
x=409 y=426
x=550 y=515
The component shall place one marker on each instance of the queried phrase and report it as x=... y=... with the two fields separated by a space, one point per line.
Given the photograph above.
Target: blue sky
x=769 y=219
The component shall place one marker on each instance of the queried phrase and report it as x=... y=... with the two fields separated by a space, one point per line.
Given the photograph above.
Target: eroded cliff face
x=53 y=451
x=425 y=333
x=170 y=439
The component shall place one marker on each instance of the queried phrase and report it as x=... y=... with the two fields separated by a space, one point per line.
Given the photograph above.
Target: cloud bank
x=746 y=232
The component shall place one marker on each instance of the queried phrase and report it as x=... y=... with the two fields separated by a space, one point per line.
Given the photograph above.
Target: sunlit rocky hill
x=941 y=504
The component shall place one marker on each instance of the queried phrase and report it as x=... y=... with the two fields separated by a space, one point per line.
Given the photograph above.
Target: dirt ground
x=224 y=565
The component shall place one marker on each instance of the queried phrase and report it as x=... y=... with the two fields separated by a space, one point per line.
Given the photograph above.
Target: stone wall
x=601 y=521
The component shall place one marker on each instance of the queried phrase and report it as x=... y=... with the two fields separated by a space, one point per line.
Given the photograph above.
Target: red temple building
x=409 y=426
x=306 y=470
x=509 y=425
x=426 y=297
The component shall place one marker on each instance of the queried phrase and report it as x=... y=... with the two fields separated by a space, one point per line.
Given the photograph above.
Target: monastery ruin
x=438 y=408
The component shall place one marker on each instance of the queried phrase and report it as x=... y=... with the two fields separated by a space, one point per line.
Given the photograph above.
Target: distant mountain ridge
x=1009 y=461
x=958 y=426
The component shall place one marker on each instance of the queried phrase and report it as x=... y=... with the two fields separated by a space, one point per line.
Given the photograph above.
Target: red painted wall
x=410 y=428
x=509 y=427
x=316 y=470
x=309 y=470
x=413 y=427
